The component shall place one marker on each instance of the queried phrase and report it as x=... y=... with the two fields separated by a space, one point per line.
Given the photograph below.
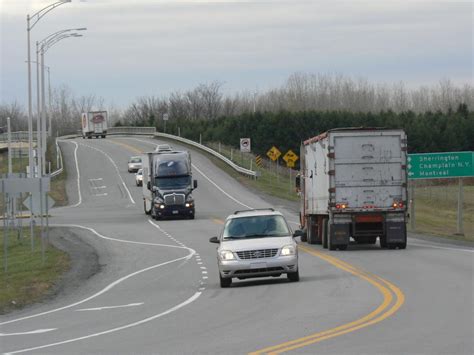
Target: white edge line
x=171 y=310
x=116 y=282
x=438 y=247
x=219 y=188
x=78 y=174
x=37 y=331
x=110 y=307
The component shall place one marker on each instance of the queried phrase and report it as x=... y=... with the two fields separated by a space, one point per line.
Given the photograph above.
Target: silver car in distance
x=134 y=163
x=256 y=243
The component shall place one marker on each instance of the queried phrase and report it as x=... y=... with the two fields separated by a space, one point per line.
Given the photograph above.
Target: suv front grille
x=174 y=199
x=255 y=271
x=257 y=254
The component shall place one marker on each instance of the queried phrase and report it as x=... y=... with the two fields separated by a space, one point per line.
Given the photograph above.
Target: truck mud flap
x=395 y=232
x=340 y=234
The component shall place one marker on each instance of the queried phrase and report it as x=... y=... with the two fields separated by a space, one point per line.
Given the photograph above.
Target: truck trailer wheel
x=330 y=245
x=312 y=230
x=304 y=237
x=325 y=233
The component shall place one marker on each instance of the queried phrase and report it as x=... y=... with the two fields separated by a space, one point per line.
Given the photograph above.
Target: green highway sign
x=440 y=165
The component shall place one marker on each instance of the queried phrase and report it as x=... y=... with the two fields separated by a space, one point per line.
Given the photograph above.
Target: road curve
x=158 y=291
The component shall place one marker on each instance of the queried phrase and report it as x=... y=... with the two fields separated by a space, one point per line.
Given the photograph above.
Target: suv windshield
x=135 y=160
x=255 y=227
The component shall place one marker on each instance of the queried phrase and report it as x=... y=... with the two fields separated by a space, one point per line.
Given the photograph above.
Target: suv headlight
x=288 y=250
x=226 y=255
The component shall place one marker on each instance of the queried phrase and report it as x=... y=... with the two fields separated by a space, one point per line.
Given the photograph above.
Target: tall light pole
x=31 y=21
x=40 y=97
x=45 y=46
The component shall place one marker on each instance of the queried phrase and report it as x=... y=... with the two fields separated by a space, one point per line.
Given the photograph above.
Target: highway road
x=157 y=288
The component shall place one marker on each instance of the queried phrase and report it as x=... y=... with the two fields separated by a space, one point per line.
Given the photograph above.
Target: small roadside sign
x=273 y=153
x=440 y=165
x=290 y=158
x=258 y=161
x=245 y=145
x=165 y=117
x=36 y=208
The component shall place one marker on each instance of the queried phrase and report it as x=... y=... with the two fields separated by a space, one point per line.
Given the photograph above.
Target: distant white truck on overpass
x=94 y=124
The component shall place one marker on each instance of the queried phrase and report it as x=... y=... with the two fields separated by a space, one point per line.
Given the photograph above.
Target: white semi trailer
x=353 y=184
x=94 y=124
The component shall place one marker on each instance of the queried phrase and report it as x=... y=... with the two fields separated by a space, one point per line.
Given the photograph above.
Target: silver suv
x=256 y=243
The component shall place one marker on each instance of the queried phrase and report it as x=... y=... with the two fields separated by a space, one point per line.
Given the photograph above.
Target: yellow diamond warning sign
x=273 y=153
x=290 y=158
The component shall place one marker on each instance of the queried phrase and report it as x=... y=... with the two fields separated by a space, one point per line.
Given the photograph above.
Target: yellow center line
x=387 y=289
x=129 y=147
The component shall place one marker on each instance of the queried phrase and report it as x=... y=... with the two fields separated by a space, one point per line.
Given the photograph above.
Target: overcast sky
x=155 y=47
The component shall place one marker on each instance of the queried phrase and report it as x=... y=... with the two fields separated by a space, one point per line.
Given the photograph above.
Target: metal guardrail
x=229 y=162
x=131 y=130
x=60 y=170
x=19 y=136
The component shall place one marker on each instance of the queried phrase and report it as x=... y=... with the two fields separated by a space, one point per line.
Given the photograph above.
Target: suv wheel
x=294 y=276
x=225 y=282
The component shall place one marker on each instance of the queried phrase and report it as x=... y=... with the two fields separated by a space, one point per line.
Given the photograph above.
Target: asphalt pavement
x=153 y=286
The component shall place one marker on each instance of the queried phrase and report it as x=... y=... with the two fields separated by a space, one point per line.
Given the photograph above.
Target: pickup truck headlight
x=288 y=250
x=226 y=255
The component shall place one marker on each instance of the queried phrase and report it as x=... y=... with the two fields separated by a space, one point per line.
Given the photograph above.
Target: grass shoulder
x=28 y=279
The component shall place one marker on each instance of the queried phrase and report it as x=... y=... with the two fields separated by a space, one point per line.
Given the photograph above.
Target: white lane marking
x=204 y=272
x=220 y=189
x=98 y=179
x=78 y=174
x=439 y=247
x=99 y=187
x=104 y=194
x=203 y=267
x=116 y=168
x=109 y=307
x=146 y=320
x=115 y=283
x=207 y=178
x=37 y=331
x=205 y=277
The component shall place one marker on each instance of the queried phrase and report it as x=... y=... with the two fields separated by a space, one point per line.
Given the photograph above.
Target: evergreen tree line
x=427 y=132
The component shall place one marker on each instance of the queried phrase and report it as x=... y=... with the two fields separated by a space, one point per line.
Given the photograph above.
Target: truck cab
x=168 y=184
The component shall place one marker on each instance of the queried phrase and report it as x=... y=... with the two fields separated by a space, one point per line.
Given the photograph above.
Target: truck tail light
x=397 y=204
x=341 y=206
